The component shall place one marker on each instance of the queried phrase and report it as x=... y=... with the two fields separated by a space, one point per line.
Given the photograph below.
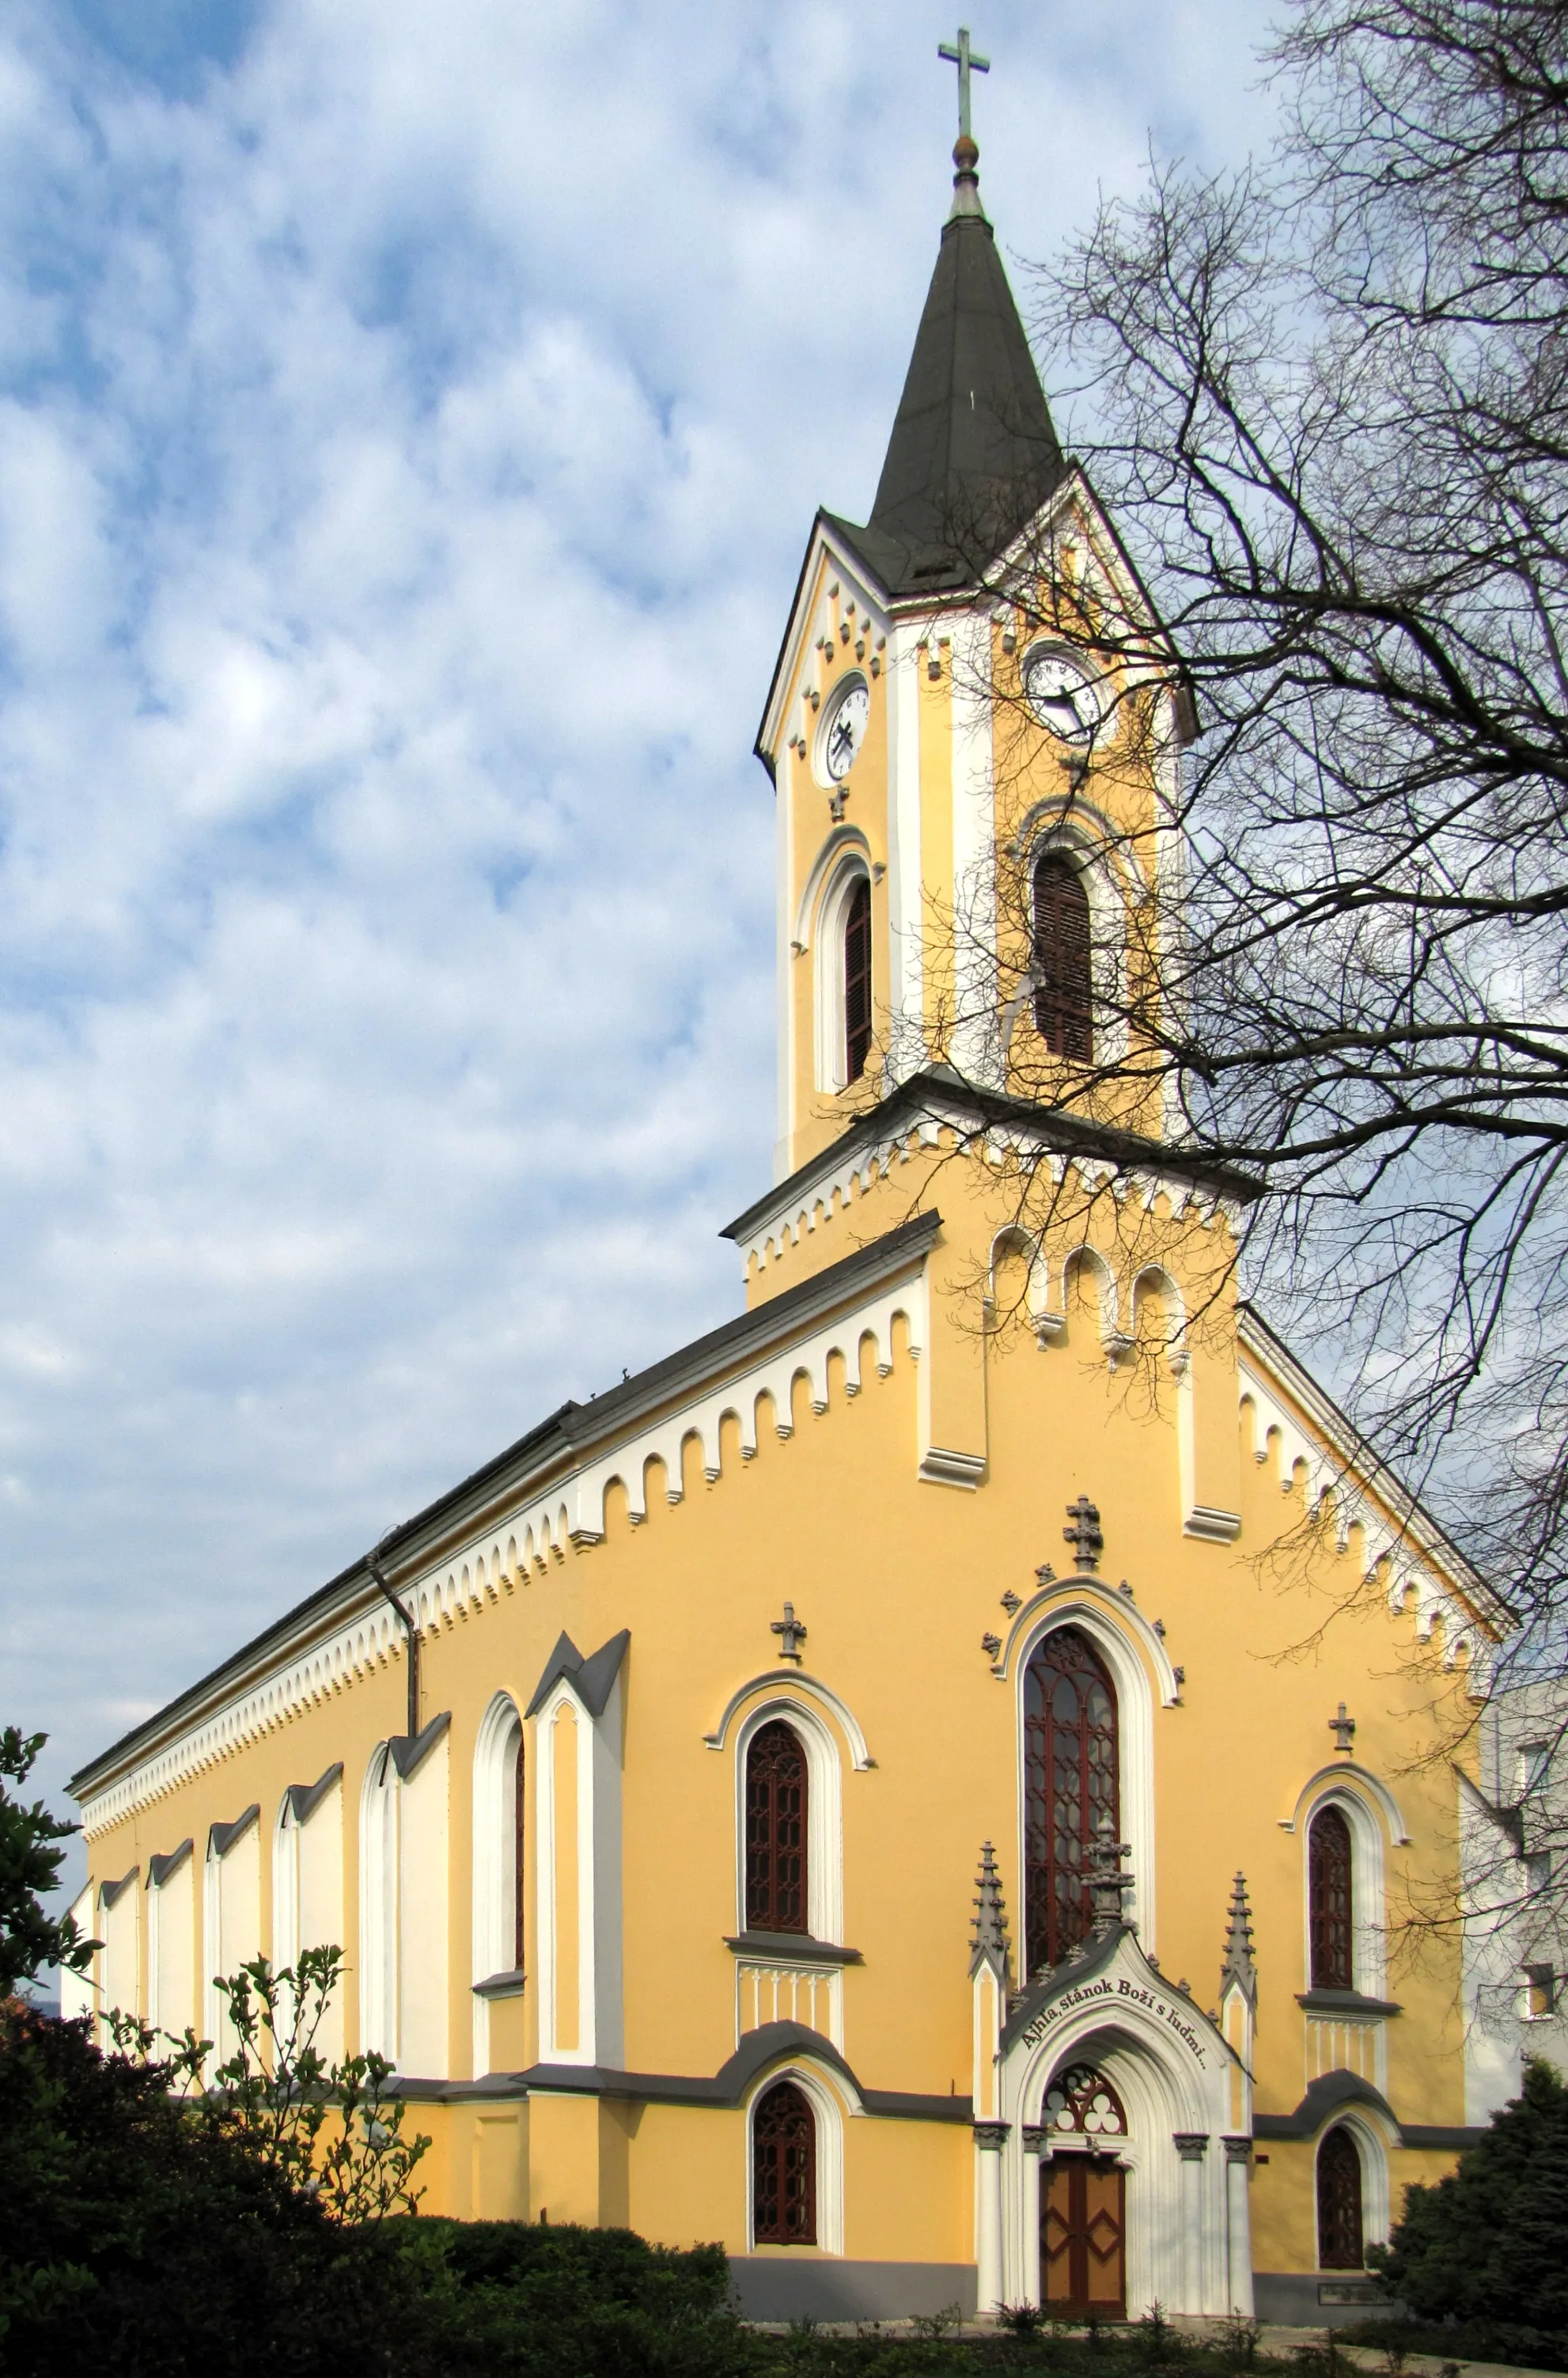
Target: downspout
x=378 y=1577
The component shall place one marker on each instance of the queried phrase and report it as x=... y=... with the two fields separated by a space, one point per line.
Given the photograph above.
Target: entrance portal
x=1083 y=2238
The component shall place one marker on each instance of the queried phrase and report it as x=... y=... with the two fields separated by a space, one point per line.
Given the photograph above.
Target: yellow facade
x=930 y=1370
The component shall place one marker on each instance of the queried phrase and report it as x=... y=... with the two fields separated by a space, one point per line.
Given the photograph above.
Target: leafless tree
x=1324 y=399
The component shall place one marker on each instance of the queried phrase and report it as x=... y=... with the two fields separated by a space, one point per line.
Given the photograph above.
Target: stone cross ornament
x=791 y=1632
x=1082 y=1533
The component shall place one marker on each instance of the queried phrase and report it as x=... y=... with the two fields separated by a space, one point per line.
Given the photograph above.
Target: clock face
x=845 y=729
x=1061 y=692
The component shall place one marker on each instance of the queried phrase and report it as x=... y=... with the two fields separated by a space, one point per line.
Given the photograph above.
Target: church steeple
x=973 y=454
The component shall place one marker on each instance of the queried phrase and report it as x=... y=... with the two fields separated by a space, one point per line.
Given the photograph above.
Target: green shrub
x=1490 y=2245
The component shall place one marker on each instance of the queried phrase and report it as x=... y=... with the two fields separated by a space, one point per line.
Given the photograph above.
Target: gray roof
x=973 y=454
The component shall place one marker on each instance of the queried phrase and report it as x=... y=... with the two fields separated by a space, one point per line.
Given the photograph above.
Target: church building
x=926 y=1784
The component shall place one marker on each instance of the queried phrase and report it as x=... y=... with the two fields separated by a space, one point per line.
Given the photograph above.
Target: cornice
x=523 y=1511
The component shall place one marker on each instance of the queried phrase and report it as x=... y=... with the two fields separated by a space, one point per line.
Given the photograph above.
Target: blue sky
x=411 y=418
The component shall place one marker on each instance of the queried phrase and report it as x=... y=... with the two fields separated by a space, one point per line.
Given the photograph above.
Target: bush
x=141 y=2241
x=1488 y=2245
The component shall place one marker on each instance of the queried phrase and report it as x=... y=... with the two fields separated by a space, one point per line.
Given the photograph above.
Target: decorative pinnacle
x=1107 y=1884
x=1240 y=1966
x=991 y=1943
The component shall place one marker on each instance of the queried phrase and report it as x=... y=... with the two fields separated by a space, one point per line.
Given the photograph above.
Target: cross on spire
x=964 y=59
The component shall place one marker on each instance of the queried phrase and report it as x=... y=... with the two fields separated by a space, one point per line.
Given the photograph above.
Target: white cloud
x=410 y=421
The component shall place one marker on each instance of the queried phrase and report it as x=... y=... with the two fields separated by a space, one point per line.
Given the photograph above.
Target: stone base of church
x=780 y=2286
x=1317 y=2300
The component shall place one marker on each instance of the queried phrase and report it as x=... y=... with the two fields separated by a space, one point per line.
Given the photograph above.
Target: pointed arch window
x=783 y=2152
x=1063 y=970
x=1330 y=1904
x=1341 y=2243
x=1072 y=1788
x=776 y=1814
x=857 y=981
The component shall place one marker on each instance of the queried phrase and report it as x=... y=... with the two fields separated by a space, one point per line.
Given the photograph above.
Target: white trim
x=976 y=1050
x=771 y=1680
x=851 y=866
x=828 y=2112
x=1135 y=1736
x=1373 y=2150
x=1376 y=1790
x=824 y=1813
x=1067 y=1594
x=1368 y=1904
x=494 y=1857
x=601 y=2019
x=906 y=921
x=285 y=1886
x=378 y=1911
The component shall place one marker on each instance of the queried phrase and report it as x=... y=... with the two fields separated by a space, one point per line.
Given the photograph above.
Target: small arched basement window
x=783 y=2163
x=1329 y=1901
x=777 y=1812
x=858 y=981
x=1340 y=2243
x=1072 y=1787
x=1063 y=970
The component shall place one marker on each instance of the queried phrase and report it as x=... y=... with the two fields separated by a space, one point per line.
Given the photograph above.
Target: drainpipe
x=378 y=1577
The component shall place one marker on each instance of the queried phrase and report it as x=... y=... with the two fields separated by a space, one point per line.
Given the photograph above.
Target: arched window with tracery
x=1063 y=967
x=1072 y=1788
x=857 y=981
x=783 y=2163
x=776 y=1811
x=1330 y=1908
x=1340 y=2243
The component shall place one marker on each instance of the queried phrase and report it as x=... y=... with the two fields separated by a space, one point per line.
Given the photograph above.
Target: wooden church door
x=1083 y=2237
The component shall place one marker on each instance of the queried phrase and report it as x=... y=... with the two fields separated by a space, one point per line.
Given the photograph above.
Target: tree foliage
x=30 y=1858
x=1485 y=2246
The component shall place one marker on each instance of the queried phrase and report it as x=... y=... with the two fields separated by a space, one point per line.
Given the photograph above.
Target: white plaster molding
x=534 y=1532
x=824 y=1808
x=1102 y=1617
x=1091 y=1597
x=1320 y=1787
x=810 y=1688
x=1392 y=1545
x=494 y=1859
x=827 y=2108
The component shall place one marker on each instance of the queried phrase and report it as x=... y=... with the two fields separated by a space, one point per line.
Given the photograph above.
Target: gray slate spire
x=973 y=454
x=991 y=1943
x=1240 y=1966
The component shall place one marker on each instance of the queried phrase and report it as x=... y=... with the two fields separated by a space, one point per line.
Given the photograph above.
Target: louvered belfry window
x=783 y=2136
x=858 y=981
x=775 y=1831
x=1340 y=2244
x=1072 y=1784
x=1329 y=1901
x=1063 y=971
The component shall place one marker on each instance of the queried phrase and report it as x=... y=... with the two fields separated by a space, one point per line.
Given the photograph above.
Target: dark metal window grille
x=1339 y=2204
x=1328 y=1892
x=1063 y=969
x=858 y=981
x=1070 y=1782
x=775 y=1831
x=519 y=1848
x=784 y=2132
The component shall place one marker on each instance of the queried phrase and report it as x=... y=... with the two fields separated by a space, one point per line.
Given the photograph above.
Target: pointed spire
x=991 y=1942
x=973 y=454
x=1240 y=1966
